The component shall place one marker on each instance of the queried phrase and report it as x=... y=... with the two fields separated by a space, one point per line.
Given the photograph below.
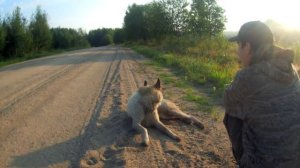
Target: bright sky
x=285 y=12
x=93 y=14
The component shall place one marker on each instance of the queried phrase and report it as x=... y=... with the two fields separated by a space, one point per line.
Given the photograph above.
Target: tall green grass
x=201 y=60
x=296 y=48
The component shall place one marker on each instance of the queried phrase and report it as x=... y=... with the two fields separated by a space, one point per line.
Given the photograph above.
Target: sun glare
x=286 y=13
x=289 y=24
x=238 y=12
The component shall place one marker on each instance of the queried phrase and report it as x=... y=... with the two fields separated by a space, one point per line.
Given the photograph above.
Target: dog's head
x=157 y=85
x=151 y=95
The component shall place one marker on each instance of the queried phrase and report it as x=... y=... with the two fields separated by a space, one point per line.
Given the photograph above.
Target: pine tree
x=40 y=31
x=18 y=40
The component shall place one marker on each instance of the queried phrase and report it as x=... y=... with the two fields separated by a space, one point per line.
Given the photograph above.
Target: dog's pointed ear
x=157 y=85
x=145 y=83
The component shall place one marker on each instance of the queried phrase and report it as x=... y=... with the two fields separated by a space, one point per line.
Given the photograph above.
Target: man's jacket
x=266 y=97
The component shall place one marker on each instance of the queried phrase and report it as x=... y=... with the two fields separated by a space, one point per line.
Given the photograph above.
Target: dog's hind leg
x=187 y=118
x=196 y=122
x=159 y=125
x=168 y=110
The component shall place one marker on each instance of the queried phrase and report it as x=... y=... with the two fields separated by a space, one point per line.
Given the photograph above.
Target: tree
x=177 y=13
x=135 y=25
x=206 y=18
x=2 y=38
x=158 y=22
x=40 y=31
x=18 y=40
x=80 y=38
x=100 y=37
x=118 y=36
x=61 y=38
x=68 y=38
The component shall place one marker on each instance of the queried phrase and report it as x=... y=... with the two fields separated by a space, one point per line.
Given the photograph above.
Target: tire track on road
x=8 y=113
x=30 y=92
x=92 y=118
x=105 y=143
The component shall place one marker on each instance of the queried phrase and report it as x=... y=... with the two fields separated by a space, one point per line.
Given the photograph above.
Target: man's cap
x=255 y=32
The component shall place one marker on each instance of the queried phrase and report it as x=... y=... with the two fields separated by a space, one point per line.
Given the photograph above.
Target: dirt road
x=67 y=110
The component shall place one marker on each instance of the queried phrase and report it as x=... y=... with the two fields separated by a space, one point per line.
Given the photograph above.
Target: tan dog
x=146 y=106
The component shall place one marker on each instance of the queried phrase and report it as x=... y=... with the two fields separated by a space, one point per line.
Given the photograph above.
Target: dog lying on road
x=146 y=107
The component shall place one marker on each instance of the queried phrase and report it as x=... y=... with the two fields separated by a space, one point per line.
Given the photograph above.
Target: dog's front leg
x=142 y=130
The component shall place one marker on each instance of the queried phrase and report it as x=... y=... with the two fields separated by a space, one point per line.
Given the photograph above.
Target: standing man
x=262 y=103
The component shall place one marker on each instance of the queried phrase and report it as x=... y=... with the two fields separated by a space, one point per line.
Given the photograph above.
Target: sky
x=94 y=14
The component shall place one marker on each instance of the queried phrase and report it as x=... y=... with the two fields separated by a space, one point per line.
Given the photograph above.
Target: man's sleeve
x=235 y=94
x=234 y=127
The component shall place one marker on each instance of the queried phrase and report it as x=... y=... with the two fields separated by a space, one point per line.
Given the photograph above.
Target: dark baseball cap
x=255 y=32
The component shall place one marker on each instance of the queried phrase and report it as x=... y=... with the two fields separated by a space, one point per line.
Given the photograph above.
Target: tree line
x=19 y=37
x=162 y=18
x=156 y=20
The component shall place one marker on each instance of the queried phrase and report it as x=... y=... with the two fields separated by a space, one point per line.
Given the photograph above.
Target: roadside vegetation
x=215 y=66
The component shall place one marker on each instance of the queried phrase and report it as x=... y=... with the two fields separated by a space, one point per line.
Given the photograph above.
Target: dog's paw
x=199 y=125
x=178 y=139
x=145 y=144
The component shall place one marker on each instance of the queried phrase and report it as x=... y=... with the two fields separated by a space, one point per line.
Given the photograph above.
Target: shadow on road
x=97 y=137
